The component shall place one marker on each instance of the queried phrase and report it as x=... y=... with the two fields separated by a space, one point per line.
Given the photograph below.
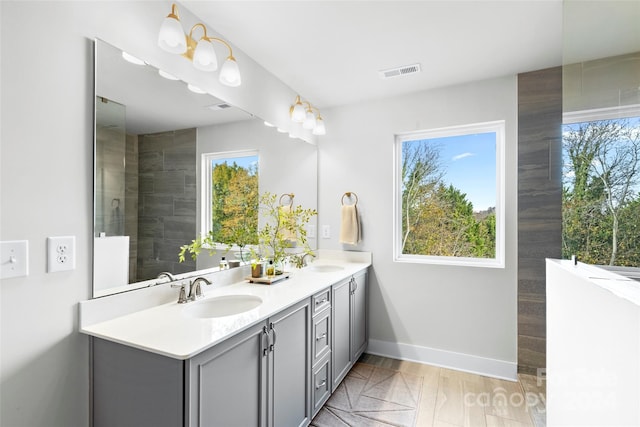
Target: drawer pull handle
x=321 y=337
x=322 y=301
x=322 y=384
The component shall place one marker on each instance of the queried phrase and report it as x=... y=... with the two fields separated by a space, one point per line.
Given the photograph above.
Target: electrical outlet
x=326 y=231
x=61 y=253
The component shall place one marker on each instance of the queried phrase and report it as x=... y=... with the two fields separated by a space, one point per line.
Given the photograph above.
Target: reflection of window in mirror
x=448 y=195
x=601 y=187
x=231 y=197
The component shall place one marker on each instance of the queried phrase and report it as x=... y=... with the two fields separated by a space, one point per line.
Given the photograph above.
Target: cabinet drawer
x=321 y=339
x=321 y=383
x=321 y=301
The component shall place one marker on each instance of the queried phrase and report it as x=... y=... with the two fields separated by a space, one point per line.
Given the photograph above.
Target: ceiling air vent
x=221 y=106
x=399 y=71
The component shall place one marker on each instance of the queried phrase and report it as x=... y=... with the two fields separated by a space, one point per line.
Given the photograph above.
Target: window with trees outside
x=230 y=209
x=601 y=189
x=449 y=193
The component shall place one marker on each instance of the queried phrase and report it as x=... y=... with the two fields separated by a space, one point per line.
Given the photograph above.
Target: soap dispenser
x=224 y=265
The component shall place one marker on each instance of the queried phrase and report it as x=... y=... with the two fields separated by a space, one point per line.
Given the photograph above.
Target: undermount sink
x=326 y=268
x=227 y=305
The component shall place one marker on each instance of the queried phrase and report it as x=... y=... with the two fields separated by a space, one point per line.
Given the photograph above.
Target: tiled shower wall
x=131 y=203
x=167 y=201
x=539 y=205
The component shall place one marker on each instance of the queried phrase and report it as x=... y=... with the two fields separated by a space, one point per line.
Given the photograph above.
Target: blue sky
x=469 y=163
x=244 y=161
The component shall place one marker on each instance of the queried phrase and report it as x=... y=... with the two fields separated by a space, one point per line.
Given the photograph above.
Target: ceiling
x=331 y=51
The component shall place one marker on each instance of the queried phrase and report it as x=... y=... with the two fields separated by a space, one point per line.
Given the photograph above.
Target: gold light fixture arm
x=226 y=44
x=192 y=43
x=174 y=12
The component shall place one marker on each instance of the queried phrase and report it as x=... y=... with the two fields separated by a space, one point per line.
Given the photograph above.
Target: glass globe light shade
x=298 y=114
x=204 y=57
x=319 y=129
x=230 y=73
x=171 y=37
x=309 y=120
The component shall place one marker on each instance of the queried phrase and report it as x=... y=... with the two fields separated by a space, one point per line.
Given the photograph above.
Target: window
x=601 y=187
x=230 y=187
x=448 y=196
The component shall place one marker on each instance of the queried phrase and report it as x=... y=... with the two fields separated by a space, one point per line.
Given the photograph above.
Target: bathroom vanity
x=274 y=364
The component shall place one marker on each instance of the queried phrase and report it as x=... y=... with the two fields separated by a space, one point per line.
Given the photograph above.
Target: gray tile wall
x=167 y=201
x=131 y=203
x=539 y=205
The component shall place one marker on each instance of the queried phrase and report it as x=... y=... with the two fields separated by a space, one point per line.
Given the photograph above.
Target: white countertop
x=619 y=285
x=165 y=330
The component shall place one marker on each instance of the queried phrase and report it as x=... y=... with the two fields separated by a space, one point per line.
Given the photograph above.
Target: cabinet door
x=341 y=337
x=290 y=362
x=227 y=383
x=359 y=316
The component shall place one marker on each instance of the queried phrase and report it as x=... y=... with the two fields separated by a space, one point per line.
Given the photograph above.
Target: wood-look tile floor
x=452 y=398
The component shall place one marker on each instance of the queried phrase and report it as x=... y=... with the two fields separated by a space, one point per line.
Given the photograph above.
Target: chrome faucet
x=170 y=276
x=304 y=259
x=182 y=298
x=195 y=291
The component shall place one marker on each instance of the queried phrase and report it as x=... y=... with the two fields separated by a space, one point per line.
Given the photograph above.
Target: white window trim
x=495 y=126
x=205 y=184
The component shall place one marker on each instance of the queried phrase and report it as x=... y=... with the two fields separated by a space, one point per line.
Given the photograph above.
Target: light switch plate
x=61 y=253
x=14 y=259
x=311 y=231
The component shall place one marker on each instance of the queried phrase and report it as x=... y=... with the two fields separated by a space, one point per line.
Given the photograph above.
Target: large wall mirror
x=151 y=136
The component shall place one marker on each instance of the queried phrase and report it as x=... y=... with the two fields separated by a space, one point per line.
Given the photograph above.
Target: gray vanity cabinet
x=133 y=388
x=260 y=377
x=349 y=324
x=226 y=385
x=359 y=323
x=289 y=359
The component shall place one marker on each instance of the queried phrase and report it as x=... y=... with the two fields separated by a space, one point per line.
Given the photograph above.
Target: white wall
x=434 y=312
x=46 y=182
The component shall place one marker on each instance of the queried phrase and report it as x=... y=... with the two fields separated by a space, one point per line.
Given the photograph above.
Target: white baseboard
x=446 y=359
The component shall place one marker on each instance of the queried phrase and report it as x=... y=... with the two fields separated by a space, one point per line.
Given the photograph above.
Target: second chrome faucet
x=195 y=290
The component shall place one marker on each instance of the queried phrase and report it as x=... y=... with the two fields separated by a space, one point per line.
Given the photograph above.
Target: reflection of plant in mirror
x=237 y=237
x=285 y=229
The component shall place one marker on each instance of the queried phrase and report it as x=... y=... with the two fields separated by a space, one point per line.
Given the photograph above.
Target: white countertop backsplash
x=151 y=319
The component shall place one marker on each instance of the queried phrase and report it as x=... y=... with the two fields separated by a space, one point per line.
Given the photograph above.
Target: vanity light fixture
x=195 y=89
x=319 y=129
x=132 y=59
x=167 y=75
x=173 y=39
x=305 y=115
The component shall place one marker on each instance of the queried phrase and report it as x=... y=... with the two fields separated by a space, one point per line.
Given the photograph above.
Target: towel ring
x=349 y=194
x=290 y=196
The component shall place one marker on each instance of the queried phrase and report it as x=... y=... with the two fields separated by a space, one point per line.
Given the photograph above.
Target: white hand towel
x=350 y=225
